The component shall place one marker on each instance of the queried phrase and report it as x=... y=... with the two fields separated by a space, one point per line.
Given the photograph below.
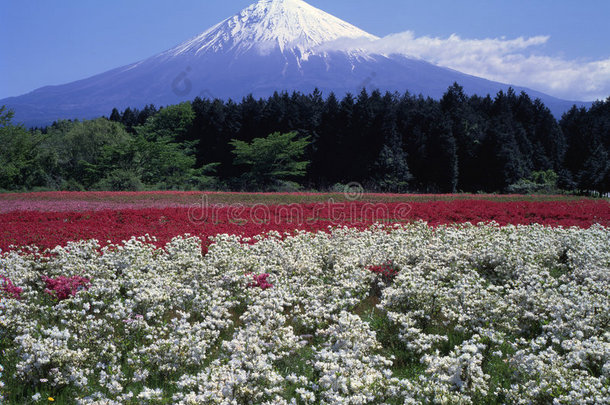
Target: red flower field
x=49 y=220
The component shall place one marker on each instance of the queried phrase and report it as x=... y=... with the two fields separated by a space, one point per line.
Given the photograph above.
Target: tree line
x=387 y=142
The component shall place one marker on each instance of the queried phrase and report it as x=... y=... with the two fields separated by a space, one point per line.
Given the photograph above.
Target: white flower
x=533 y=297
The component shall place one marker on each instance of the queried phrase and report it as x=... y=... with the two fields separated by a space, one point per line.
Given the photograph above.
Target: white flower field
x=470 y=315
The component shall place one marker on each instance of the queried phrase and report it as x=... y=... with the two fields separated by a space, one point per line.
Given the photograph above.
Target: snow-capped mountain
x=273 y=45
x=288 y=25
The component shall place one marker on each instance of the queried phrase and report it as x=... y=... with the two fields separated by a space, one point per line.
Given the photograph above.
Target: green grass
x=299 y=364
x=405 y=364
x=190 y=198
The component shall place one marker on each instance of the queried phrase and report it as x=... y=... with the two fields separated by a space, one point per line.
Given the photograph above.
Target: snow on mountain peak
x=287 y=25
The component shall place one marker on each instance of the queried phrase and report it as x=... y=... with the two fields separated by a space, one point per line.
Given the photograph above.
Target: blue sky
x=557 y=46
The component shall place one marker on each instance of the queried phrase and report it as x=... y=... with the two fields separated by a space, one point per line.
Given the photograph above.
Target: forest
x=387 y=142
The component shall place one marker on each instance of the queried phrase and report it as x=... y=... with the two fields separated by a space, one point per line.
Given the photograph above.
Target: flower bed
x=397 y=314
x=49 y=229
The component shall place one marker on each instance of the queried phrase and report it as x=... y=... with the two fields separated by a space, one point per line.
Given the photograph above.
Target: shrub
x=120 y=180
x=543 y=182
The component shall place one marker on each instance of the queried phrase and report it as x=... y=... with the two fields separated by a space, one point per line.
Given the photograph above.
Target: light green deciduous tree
x=271 y=160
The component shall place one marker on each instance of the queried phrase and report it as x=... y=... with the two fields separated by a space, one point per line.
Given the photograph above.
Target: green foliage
x=170 y=123
x=387 y=142
x=100 y=154
x=6 y=116
x=161 y=162
x=17 y=153
x=120 y=180
x=542 y=182
x=392 y=170
x=587 y=135
x=78 y=152
x=163 y=159
x=271 y=159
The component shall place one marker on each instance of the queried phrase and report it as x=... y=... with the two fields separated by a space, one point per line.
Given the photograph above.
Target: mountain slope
x=271 y=45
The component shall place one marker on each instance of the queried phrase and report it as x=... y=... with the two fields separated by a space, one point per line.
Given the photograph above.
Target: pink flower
x=260 y=281
x=63 y=287
x=9 y=288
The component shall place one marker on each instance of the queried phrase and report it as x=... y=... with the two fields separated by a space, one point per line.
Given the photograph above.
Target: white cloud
x=511 y=61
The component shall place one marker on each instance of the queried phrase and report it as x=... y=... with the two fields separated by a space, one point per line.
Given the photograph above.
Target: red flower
x=388 y=271
x=47 y=226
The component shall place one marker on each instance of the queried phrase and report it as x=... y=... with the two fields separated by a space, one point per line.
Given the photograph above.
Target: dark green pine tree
x=412 y=122
x=599 y=135
x=115 y=115
x=468 y=128
x=587 y=134
x=251 y=111
x=391 y=170
x=324 y=161
x=148 y=111
x=442 y=157
x=357 y=148
x=274 y=115
x=501 y=156
x=574 y=125
x=130 y=120
x=548 y=139
x=343 y=145
x=595 y=171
